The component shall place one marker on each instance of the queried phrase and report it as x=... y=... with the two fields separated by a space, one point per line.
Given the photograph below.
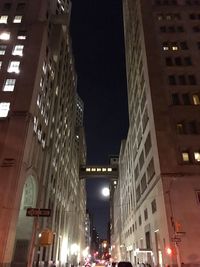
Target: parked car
x=124 y=264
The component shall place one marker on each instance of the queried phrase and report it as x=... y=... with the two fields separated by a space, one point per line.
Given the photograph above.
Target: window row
x=174 y=46
x=171 y=29
x=20 y=6
x=17 y=50
x=185 y=99
x=178 y=61
x=169 y=16
x=190 y=127
x=177 y=16
x=190 y=157
x=134 y=226
x=4 y=19
x=176 y=2
x=182 y=79
x=146 y=178
x=13 y=67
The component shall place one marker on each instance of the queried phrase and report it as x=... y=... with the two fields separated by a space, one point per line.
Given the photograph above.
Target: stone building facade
x=39 y=153
x=159 y=167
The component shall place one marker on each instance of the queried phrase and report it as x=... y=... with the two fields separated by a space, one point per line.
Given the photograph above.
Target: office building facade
x=39 y=153
x=159 y=168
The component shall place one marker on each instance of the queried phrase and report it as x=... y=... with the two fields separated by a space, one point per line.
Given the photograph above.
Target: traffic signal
x=46 y=238
x=168 y=251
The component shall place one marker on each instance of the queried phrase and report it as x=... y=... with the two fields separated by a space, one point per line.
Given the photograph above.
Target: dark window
x=163 y=29
x=192 y=79
x=175 y=99
x=143 y=183
x=180 y=29
x=172 y=79
x=183 y=45
x=182 y=80
x=145 y=214
x=148 y=240
x=198 y=196
x=169 y=61
x=178 y=61
x=138 y=194
x=198 y=45
x=7 y=6
x=196 y=29
x=140 y=220
x=153 y=206
x=187 y=61
x=21 y=6
x=171 y=29
x=192 y=127
x=186 y=99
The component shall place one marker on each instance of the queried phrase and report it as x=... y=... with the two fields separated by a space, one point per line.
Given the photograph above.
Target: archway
x=25 y=224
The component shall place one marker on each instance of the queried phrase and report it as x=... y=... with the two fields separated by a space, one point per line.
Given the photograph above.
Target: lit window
x=3 y=19
x=103 y=169
x=0 y=64
x=185 y=156
x=87 y=169
x=99 y=169
x=165 y=48
x=17 y=19
x=2 y=49
x=21 y=35
x=4 y=109
x=197 y=156
x=174 y=48
x=14 y=66
x=18 y=50
x=196 y=100
x=9 y=85
x=93 y=169
x=109 y=169
x=115 y=182
x=5 y=36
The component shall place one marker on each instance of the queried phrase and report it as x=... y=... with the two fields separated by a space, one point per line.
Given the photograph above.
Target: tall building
x=39 y=152
x=159 y=167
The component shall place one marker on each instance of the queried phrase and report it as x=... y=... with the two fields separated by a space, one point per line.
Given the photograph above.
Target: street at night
x=99 y=133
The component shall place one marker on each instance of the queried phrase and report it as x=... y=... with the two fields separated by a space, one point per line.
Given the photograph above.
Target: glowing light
x=105 y=192
x=63 y=255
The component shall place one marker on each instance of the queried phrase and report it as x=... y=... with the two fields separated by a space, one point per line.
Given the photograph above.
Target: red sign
x=33 y=212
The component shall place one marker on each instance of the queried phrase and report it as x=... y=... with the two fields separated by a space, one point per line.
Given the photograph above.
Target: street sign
x=176 y=239
x=33 y=212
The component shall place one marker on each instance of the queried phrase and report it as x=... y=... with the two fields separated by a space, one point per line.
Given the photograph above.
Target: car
x=124 y=264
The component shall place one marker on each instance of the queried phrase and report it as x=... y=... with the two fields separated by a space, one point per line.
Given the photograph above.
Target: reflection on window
x=4 y=109
x=5 y=36
x=3 y=19
x=9 y=85
x=2 y=49
x=196 y=100
x=18 y=50
x=197 y=156
x=185 y=156
x=21 y=35
x=14 y=66
x=17 y=19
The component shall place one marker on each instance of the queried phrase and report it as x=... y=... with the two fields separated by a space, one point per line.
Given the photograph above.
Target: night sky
x=98 y=47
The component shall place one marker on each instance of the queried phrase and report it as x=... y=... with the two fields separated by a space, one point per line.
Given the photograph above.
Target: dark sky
x=98 y=47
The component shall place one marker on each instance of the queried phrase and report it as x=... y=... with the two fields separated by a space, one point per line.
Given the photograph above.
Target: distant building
x=159 y=176
x=39 y=151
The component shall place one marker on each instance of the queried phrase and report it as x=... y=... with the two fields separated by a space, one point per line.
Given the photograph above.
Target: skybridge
x=94 y=171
